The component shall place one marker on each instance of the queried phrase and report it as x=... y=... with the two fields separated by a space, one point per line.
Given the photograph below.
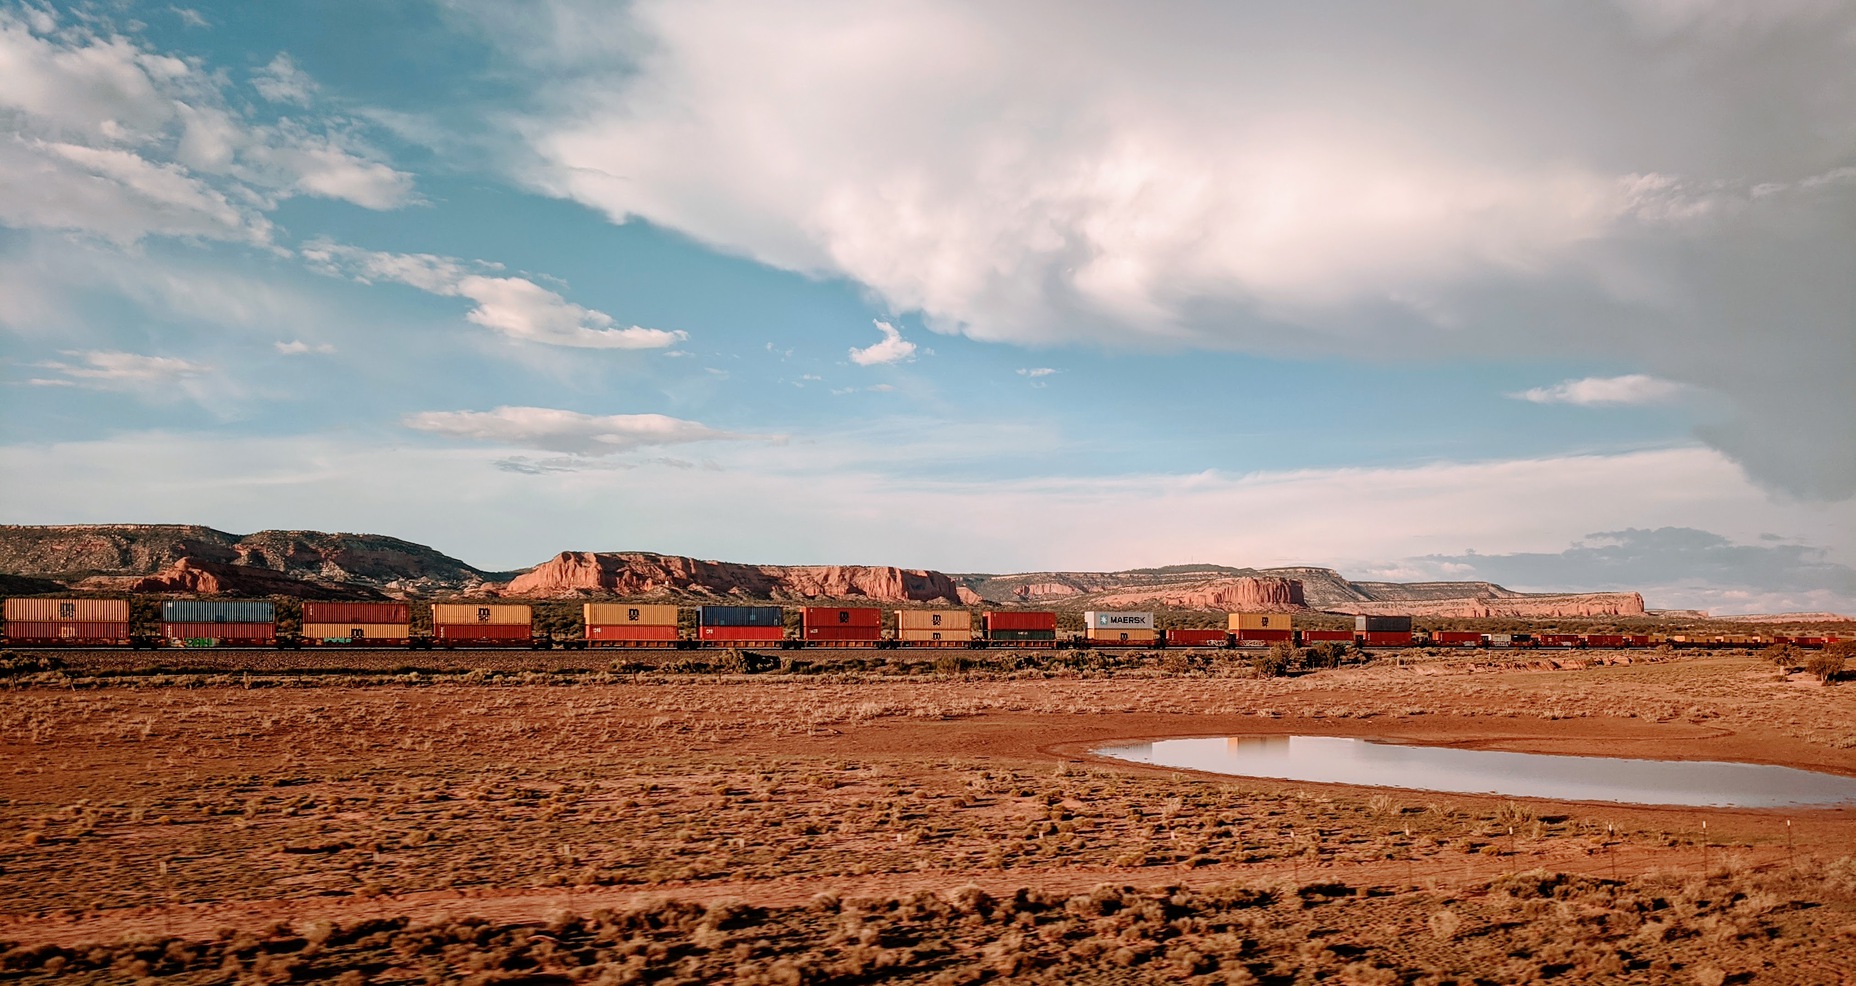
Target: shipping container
x=1499 y=639
x=1098 y=620
x=207 y=634
x=1637 y=640
x=1020 y=620
x=1607 y=640
x=481 y=614
x=841 y=635
x=1253 y=638
x=206 y=611
x=1456 y=638
x=1560 y=640
x=834 y=616
x=933 y=619
x=1198 y=638
x=1009 y=636
x=1327 y=636
x=355 y=633
x=1259 y=621
x=1382 y=624
x=740 y=616
x=629 y=634
x=68 y=610
x=1110 y=638
x=962 y=635
x=66 y=632
x=480 y=633
x=743 y=634
x=1387 y=638
x=356 y=613
x=632 y=614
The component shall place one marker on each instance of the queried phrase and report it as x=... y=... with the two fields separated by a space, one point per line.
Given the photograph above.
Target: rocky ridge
x=636 y=573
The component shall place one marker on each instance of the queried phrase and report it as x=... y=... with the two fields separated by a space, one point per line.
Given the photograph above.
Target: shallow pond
x=1381 y=763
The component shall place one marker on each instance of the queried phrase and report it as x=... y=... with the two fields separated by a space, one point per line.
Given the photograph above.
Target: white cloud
x=1034 y=373
x=1631 y=389
x=116 y=194
x=893 y=348
x=566 y=431
x=282 y=82
x=297 y=347
x=105 y=368
x=514 y=306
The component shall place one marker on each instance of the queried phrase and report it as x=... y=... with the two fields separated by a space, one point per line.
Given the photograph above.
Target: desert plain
x=504 y=818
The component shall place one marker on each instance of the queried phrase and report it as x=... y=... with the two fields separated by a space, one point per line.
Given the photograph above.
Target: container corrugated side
x=757 y=635
x=1388 y=638
x=1259 y=621
x=837 y=633
x=240 y=632
x=1018 y=620
x=68 y=610
x=633 y=614
x=469 y=632
x=1135 y=636
x=740 y=616
x=934 y=619
x=1456 y=638
x=1099 y=620
x=910 y=635
x=383 y=632
x=66 y=631
x=625 y=632
x=214 y=611
x=485 y=614
x=356 y=613
x=1327 y=636
x=1263 y=636
x=1010 y=635
x=840 y=616
x=1382 y=624
x=1197 y=638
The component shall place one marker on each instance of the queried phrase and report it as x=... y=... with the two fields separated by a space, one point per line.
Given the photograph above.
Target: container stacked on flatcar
x=740 y=624
x=934 y=627
x=67 y=622
x=1456 y=638
x=482 y=625
x=356 y=624
x=630 y=624
x=205 y=623
x=838 y=626
x=1191 y=637
x=1104 y=629
x=1383 y=631
x=1260 y=629
x=1310 y=637
x=1021 y=629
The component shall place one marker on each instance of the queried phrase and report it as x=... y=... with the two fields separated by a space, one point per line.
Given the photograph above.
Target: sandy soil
x=212 y=828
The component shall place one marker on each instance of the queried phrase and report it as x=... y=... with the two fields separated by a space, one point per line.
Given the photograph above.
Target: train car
x=727 y=626
x=41 y=622
x=1456 y=638
x=210 y=623
x=356 y=624
x=934 y=628
x=1017 y=628
x=840 y=626
x=1383 y=631
x=1106 y=629
x=1260 y=629
x=1312 y=637
x=483 y=625
x=1563 y=640
x=630 y=625
x=1607 y=641
x=1178 y=637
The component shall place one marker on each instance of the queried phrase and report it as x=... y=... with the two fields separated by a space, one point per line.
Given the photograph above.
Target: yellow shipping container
x=491 y=613
x=628 y=614
x=68 y=610
x=962 y=634
x=365 y=631
x=1123 y=636
x=934 y=619
x=1260 y=621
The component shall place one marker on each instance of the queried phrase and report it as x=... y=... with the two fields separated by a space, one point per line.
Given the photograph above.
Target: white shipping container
x=1118 y=621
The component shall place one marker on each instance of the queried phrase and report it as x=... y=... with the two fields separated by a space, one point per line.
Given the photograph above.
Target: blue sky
x=1556 y=297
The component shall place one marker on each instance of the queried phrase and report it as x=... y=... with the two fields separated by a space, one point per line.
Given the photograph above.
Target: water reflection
x=1344 y=760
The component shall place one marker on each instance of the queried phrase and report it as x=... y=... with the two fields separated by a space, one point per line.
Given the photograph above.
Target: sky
x=1561 y=296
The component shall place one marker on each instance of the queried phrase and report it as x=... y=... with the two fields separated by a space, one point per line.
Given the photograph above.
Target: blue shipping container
x=740 y=616
x=202 y=611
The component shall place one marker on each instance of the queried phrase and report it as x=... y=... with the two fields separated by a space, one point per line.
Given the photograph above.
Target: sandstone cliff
x=205 y=578
x=637 y=573
x=1251 y=594
x=1516 y=605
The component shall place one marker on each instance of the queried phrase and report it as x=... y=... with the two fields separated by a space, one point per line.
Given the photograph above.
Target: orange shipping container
x=934 y=619
x=482 y=614
x=357 y=631
x=68 y=610
x=1122 y=636
x=1260 y=621
x=628 y=614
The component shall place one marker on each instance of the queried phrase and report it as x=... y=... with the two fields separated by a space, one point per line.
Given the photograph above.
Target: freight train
x=91 y=622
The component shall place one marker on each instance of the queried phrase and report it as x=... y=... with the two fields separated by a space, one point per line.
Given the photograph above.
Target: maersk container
x=68 y=610
x=837 y=616
x=1020 y=620
x=356 y=613
x=1382 y=624
x=205 y=611
x=740 y=616
x=1259 y=621
x=1094 y=620
x=628 y=614
x=481 y=614
x=933 y=619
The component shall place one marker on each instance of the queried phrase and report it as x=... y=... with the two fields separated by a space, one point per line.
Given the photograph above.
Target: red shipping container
x=465 y=633
x=1262 y=636
x=1197 y=638
x=1606 y=640
x=1456 y=638
x=1387 y=639
x=629 y=632
x=843 y=633
x=356 y=613
x=1021 y=621
x=744 y=635
x=243 y=633
x=63 y=632
x=831 y=616
x=1559 y=640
